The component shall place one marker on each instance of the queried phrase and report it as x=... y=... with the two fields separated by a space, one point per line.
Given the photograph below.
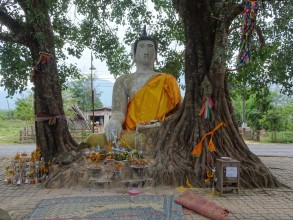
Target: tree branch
x=16 y=32
x=260 y=36
x=232 y=11
x=179 y=5
x=6 y=37
x=23 y=5
x=6 y=20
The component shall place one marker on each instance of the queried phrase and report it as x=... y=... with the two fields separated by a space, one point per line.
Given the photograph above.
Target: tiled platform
x=255 y=204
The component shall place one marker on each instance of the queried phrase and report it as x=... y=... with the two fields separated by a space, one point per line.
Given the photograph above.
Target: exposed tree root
x=174 y=162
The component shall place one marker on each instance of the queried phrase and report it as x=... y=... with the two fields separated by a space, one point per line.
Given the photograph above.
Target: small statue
x=144 y=95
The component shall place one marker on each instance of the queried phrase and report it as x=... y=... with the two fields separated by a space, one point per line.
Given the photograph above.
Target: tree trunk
x=206 y=30
x=258 y=135
x=52 y=134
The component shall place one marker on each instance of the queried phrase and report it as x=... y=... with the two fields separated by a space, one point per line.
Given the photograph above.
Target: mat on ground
x=137 y=207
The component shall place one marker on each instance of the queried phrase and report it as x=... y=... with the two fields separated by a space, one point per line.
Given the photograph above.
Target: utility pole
x=93 y=97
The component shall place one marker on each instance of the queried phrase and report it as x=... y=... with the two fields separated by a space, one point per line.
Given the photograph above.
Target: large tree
x=31 y=28
x=207 y=25
x=34 y=35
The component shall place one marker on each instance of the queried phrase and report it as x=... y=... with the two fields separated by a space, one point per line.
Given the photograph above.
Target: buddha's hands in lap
x=113 y=130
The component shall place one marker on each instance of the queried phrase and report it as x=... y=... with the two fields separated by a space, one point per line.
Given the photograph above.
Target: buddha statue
x=144 y=95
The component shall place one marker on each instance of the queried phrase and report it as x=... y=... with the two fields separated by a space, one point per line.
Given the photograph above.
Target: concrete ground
x=275 y=204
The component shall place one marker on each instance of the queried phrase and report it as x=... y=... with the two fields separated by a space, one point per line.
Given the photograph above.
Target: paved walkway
x=255 y=204
x=271 y=149
x=11 y=150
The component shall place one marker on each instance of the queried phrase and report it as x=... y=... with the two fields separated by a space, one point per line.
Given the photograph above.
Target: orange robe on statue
x=159 y=96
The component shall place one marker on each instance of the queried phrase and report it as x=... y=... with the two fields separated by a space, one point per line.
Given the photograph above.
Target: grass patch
x=284 y=137
x=9 y=130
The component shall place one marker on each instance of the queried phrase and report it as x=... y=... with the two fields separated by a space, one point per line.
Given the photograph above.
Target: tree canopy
x=98 y=25
x=87 y=24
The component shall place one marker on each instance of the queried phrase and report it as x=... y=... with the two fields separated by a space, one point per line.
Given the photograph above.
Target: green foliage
x=284 y=107
x=271 y=62
x=80 y=91
x=9 y=130
x=81 y=24
x=24 y=108
x=285 y=137
x=174 y=62
x=272 y=121
x=272 y=111
x=237 y=107
x=68 y=102
x=6 y=114
x=102 y=23
x=257 y=107
x=15 y=67
x=68 y=71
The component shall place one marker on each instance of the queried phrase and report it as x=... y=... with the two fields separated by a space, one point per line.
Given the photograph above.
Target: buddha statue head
x=145 y=49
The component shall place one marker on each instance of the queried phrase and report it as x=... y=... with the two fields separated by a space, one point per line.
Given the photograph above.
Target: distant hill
x=104 y=86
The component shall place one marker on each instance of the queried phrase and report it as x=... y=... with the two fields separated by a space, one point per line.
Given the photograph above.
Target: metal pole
x=93 y=103
x=93 y=98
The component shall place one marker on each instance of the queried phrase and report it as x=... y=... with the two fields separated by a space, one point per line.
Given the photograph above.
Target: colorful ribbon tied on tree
x=249 y=17
x=206 y=109
x=51 y=119
x=44 y=60
x=211 y=146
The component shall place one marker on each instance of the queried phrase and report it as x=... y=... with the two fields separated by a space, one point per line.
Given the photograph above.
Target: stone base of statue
x=97 y=166
x=105 y=174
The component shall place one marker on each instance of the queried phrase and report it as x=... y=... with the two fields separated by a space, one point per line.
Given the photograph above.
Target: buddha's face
x=145 y=52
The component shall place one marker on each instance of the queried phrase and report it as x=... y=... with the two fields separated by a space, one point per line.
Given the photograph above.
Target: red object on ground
x=134 y=191
x=202 y=206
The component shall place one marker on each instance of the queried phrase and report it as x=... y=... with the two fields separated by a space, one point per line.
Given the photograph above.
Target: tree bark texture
x=206 y=26
x=52 y=138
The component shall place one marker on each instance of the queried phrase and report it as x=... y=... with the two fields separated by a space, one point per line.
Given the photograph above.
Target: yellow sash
x=153 y=101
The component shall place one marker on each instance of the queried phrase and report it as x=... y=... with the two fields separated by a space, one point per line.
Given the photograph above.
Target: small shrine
x=121 y=166
x=114 y=165
x=27 y=169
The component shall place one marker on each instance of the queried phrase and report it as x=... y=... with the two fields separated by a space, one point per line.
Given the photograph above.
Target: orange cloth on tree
x=153 y=101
